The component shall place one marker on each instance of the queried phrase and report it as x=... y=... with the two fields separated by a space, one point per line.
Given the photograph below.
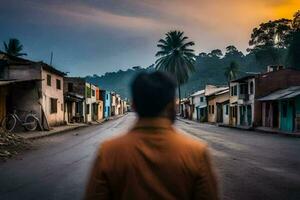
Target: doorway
x=275 y=115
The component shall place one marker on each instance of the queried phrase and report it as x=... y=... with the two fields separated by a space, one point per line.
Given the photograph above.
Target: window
x=48 y=79
x=87 y=108
x=88 y=92
x=107 y=96
x=226 y=109
x=243 y=88
x=70 y=87
x=235 y=90
x=53 y=105
x=212 y=109
x=58 y=84
x=201 y=99
x=93 y=92
x=209 y=109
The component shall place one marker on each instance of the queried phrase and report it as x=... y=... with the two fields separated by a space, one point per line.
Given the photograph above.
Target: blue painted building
x=106 y=103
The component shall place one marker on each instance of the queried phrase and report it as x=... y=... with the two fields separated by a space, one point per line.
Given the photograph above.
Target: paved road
x=250 y=165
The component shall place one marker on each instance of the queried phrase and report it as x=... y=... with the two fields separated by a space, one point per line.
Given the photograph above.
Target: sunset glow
x=131 y=27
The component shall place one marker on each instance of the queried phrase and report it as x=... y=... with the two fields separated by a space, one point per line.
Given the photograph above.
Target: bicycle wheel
x=30 y=123
x=9 y=123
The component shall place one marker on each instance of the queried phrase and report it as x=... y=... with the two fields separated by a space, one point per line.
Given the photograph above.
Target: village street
x=250 y=165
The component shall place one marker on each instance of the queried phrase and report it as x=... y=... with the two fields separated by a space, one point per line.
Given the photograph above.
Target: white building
x=200 y=106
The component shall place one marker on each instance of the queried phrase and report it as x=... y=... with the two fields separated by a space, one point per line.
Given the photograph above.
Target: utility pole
x=51 y=58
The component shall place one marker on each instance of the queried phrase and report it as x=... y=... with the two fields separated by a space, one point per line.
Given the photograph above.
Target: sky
x=96 y=36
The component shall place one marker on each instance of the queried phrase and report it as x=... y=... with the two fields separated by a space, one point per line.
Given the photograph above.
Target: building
x=200 y=106
x=233 y=106
x=38 y=87
x=281 y=110
x=186 y=108
x=100 y=104
x=218 y=106
x=106 y=96
x=118 y=105
x=246 y=91
x=125 y=106
x=242 y=99
x=113 y=104
x=74 y=94
x=29 y=100
x=91 y=102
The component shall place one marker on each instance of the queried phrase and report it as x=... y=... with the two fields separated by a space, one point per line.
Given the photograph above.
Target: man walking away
x=153 y=161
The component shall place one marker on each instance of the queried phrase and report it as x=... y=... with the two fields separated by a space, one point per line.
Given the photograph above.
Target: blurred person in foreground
x=153 y=160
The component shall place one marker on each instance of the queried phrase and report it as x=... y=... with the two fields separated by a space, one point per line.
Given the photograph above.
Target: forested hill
x=117 y=81
x=210 y=69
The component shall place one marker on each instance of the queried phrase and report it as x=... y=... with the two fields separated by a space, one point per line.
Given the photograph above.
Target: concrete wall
x=49 y=92
x=212 y=102
x=198 y=104
x=24 y=72
x=225 y=116
x=211 y=109
x=78 y=85
x=100 y=110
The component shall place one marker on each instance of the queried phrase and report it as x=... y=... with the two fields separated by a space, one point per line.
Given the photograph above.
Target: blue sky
x=94 y=37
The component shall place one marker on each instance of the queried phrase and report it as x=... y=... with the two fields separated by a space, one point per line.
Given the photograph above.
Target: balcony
x=244 y=97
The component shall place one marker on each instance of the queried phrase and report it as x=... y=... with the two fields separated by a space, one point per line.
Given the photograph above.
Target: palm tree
x=176 y=57
x=14 y=47
x=231 y=71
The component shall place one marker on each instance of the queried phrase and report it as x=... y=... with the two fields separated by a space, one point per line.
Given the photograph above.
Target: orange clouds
x=211 y=23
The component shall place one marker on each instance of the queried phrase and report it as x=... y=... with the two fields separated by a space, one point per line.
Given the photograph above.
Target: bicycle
x=9 y=122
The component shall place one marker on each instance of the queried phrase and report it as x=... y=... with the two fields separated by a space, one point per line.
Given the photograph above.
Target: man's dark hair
x=152 y=92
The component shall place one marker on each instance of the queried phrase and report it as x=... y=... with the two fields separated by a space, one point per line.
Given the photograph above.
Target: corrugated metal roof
x=282 y=94
x=198 y=93
x=218 y=91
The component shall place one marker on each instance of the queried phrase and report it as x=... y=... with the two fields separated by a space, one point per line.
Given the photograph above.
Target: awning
x=70 y=96
x=282 y=94
x=12 y=81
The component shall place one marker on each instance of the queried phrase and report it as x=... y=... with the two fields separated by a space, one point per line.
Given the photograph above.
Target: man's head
x=153 y=95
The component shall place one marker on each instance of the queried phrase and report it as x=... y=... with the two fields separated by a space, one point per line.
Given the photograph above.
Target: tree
x=216 y=53
x=269 y=40
x=294 y=51
x=176 y=57
x=14 y=47
x=232 y=53
x=231 y=71
x=231 y=49
x=202 y=55
x=296 y=21
x=137 y=68
x=272 y=33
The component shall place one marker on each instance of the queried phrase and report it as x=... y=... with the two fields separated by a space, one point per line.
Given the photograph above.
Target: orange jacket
x=152 y=161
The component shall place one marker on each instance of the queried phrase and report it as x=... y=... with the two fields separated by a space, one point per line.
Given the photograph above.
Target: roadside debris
x=11 y=144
